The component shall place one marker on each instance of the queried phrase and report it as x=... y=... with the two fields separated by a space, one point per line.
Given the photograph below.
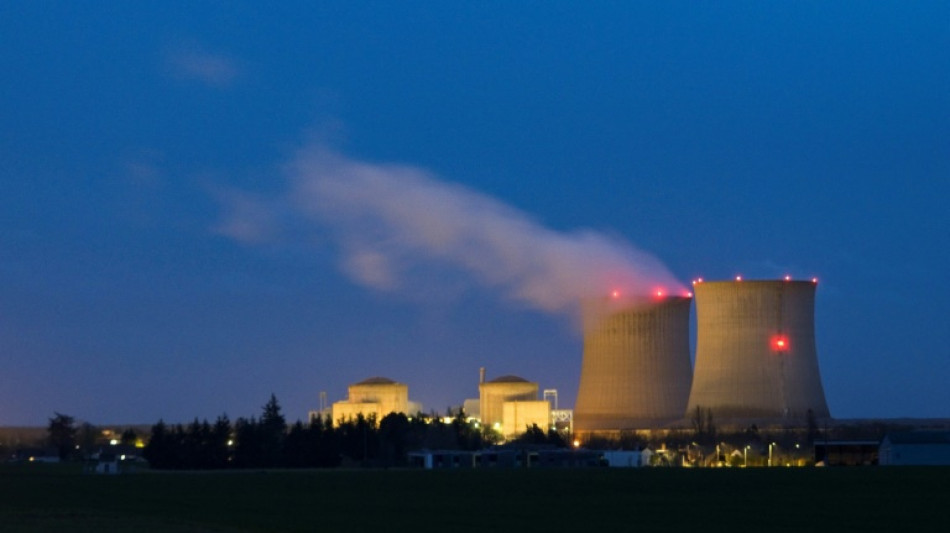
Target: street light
x=745 y=456
x=770 y=452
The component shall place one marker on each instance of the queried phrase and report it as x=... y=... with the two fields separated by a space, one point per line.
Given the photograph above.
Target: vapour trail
x=390 y=219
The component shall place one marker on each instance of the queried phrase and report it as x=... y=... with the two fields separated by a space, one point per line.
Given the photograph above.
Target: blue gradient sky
x=753 y=138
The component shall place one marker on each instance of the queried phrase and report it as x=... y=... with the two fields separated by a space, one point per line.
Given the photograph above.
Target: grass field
x=57 y=497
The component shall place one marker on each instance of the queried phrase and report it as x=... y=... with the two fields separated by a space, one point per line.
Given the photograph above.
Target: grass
x=58 y=497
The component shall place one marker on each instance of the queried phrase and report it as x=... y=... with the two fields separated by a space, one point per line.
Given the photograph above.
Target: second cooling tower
x=755 y=350
x=635 y=372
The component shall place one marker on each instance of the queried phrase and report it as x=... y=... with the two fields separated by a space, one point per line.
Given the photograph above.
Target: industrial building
x=928 y=448
x=755 y=351
x=636 y=370
x=509 y=404
x=376 y=396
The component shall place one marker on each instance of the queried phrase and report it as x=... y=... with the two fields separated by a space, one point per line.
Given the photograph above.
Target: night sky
x=203 y=204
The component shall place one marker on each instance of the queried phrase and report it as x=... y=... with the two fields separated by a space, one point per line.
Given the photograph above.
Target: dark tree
x=299 y=447
x=272 y=431
x=62 y=435
x=220 y=443
x=467 y=436
x=158 y=451
x=395 y=438
x=129 y=437
x=248 y=448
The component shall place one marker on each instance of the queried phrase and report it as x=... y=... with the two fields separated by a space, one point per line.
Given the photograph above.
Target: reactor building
x=510 y=405
x=635 y=371
x=376 y=397
x=755 y=351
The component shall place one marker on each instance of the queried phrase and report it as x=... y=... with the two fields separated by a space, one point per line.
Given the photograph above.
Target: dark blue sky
x=808 y=138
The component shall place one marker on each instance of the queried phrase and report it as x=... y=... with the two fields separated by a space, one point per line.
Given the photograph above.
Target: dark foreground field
x=53 y=498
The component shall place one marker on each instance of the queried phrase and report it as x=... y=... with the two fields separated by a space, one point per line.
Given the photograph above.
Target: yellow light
x=577 y=443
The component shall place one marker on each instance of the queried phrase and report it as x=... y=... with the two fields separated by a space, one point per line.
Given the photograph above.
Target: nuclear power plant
x=636 y=371
x=755 y=350
x=756 y=363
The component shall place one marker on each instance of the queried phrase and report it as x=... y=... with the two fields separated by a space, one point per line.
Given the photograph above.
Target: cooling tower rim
x=780 y=281
x=628 y=302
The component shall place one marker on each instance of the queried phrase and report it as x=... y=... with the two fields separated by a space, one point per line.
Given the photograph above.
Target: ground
x=57 y=497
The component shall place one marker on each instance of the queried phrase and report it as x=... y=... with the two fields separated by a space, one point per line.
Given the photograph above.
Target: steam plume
x=390 y=218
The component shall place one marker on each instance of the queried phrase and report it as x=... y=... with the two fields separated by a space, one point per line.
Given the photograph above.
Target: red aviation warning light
x=615 y=294
x=780 y=343
x=659 y=293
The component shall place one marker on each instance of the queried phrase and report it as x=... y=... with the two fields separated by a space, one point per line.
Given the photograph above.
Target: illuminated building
x=635 y=371
x=372 y=397
x=518 y=416
x=755 y=350
x=494 y=395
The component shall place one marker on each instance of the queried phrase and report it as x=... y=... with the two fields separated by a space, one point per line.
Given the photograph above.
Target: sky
x=202 y=203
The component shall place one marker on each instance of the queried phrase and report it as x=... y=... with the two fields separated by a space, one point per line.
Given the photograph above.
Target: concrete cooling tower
x=755 y=350
x=636 y=370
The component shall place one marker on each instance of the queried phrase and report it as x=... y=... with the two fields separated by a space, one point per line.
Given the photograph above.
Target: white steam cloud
x=389 y=219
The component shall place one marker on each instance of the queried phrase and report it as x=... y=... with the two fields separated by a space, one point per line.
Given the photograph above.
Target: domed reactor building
x=755 y=351
x=636 y=368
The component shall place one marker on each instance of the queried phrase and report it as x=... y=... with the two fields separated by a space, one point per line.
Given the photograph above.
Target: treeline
x=267 y=442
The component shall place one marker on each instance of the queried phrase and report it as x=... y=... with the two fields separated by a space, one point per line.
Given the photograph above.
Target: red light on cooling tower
x=615 y=294
x=780 y=343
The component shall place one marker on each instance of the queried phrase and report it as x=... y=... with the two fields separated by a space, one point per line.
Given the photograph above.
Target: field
x=57 y=497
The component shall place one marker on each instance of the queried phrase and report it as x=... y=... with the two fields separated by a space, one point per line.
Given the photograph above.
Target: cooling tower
x=636 y=371
x=755 y=350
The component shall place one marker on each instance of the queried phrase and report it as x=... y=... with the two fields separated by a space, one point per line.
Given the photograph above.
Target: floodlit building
x=636 y=370
x=755 y=350
x=518 y=416
x=494 y=394
x=377 y=396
